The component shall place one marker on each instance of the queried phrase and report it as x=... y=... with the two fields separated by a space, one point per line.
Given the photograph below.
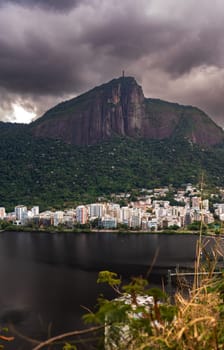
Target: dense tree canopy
x=50 y=173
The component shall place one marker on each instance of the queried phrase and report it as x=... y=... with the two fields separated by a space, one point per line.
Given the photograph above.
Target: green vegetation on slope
x=50 y=173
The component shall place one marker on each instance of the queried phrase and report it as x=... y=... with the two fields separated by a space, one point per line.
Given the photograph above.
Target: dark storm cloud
x=132 y=38
x=53 y=49
x=193 y=50
x=61 y=5
x=38 y=68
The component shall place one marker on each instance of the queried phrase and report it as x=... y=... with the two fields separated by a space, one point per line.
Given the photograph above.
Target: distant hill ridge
x=119 y=108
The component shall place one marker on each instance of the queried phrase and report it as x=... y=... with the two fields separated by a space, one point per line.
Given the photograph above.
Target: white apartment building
x=205 y=204
x=46 y=218
x=219 y=210
x=160 y=212
x=126 y=214
x=2 y=212
x=136 y=218
x=20 y=210
x=153 y=224
x=35 y=210
x=58 y=218
x=135 y=221
x=108 y=222
x=96 y=210
x=196 y=202
x=208 y=218
x=114 y=210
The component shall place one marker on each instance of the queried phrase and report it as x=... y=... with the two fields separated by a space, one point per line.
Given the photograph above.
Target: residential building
x=126 y=213
x=35 y=210
x=20 y=211
x=96 y=210
x=81 y=214
x=2 y=213
x=108 y=223
x=58 y=218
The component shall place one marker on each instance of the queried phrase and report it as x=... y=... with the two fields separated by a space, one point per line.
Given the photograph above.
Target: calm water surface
x=46 y=278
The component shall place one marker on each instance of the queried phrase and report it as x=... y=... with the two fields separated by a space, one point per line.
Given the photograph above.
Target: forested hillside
x=51 y=173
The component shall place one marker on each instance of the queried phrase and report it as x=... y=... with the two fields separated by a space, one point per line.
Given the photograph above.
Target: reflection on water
x=46 y=278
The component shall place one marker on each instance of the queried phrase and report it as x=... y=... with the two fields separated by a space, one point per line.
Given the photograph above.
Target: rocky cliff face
x=120 y=108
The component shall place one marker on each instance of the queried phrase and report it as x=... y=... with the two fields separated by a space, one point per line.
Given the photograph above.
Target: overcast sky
x=51 y=50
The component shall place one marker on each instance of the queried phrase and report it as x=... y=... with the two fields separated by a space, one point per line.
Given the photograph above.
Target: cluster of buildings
x=150 y=212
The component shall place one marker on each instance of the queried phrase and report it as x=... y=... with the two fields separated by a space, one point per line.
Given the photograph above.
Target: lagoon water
x=47 y=278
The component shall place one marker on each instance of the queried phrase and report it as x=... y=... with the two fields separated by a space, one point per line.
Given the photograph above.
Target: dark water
x=46 y=278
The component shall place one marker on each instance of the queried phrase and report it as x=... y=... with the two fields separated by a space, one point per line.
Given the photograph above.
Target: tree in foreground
x=143 y=318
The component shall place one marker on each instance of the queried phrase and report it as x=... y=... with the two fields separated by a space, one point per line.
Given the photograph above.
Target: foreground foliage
x=144 y=318
x=193 y=322
x=4 y=337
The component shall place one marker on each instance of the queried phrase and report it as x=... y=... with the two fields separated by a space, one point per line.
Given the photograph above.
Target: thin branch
x=3 y=337
x=22 y=336
x=152 y=263
x=66 y=335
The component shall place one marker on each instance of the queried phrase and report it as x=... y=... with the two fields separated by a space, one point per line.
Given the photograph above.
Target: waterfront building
x=188 y=218
x=69 y=217
x=21 y=214
x=81 y=214
x=58 y=218
x=144 y=223
x=35 y=210
x=136 y=218
x=2 y=213
x=10 y=217
x=126 y=213
x=20 y=211
x=46 y=218
x=114 y=210
x=153 y=224
x=135 y=221
x=96 y=210
x=108 y=223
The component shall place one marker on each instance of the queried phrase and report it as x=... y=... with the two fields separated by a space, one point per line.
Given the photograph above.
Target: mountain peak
x=123 y=80
x=120 y=108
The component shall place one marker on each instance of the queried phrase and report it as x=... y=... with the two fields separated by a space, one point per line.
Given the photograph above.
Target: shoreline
x=163 y=232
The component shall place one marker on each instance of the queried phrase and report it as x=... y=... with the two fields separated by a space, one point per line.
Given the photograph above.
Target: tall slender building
x=2 y=212
x=81 y=214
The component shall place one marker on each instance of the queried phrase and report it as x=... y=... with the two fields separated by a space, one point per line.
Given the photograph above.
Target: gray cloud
x=52 y=50
x=47 y=4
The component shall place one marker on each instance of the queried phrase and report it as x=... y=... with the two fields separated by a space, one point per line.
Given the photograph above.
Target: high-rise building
x=205 y=204
x=96 y=210
x=135 y=221
x=108 y=222
x=114 y=210
x=2 y=212
x=81 y=214
x=35 y=210
x=126 y=213
x=58 y=218
x=21 y=212
x=196 y=202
